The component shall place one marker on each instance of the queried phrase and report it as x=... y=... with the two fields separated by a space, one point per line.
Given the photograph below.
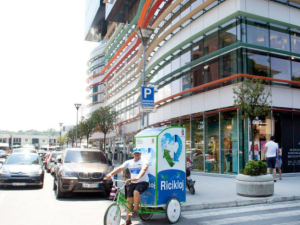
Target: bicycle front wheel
x=112 y=215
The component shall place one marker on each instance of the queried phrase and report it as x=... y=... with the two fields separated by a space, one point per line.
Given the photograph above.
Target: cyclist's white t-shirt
x=135 y=168
x=271 y=151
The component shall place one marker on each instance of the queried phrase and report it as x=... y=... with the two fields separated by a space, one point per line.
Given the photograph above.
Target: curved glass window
x=211 y=43
x=228 y=33
x=296 y=70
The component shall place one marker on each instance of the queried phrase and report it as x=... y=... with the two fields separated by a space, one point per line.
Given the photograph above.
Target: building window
x=258 y=63
x=296 y=70
x=279 y=38
x=186 y=82
x=211 y=72
x=228 y=66
x=211 y=43
x=295 y=42
x=280 y=67
x=198 y=49
x=198 y=76
x=257 y=33
x=228 y=34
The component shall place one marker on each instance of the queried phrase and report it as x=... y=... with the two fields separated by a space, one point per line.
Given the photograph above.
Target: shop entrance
x=286 y=127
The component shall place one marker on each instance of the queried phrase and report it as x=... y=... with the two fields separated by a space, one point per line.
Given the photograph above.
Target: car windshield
x=24 y=151
x=21 y=159
x=54 y=155
x=85 y=157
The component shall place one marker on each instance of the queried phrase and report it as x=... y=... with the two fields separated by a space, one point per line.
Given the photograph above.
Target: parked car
x=57 y=164
x=50 y=161
x=22 y=170
x=3 y=154
x=82 y=170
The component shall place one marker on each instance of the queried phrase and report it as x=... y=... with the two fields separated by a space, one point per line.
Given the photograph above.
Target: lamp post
x=77 y=106
x=144 y=35
x=60 y=124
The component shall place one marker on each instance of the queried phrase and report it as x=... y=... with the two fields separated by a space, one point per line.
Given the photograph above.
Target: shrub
x=255 y=168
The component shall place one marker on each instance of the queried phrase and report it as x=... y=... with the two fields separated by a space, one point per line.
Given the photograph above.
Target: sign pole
x=143 y=81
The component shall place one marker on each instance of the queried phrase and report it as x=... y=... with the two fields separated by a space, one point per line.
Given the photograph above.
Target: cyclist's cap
x=136 y=150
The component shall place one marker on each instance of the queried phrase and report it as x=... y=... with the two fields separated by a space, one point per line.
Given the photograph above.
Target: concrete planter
x=254 y=186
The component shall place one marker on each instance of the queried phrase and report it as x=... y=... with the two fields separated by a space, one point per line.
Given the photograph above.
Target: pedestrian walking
x=279 y=163
x=271 y=151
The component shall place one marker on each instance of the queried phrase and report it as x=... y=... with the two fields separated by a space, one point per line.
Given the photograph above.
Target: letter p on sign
x=147 y=91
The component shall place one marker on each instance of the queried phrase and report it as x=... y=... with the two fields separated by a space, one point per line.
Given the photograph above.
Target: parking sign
x=148 y=97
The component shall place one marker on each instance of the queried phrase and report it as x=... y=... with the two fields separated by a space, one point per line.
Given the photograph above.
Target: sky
x=43 y=63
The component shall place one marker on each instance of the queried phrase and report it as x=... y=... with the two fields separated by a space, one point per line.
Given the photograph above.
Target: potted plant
x=254 y=181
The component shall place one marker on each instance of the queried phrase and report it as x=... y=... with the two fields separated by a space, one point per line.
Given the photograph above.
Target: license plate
x=19 y=184
x=86 y=185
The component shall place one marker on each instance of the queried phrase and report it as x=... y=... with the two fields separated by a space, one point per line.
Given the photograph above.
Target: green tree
x=71 y=136
x=63 y=140
x=87 y=127
x=252 y=98
x=104 y=117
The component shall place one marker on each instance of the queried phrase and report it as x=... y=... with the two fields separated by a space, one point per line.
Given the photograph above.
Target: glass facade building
x=198 y=52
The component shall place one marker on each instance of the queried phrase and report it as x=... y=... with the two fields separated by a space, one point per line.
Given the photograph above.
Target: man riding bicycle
x=139 y=181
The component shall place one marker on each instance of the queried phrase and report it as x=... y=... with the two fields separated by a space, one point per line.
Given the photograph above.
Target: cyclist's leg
x=140 y=188
x=130 y=190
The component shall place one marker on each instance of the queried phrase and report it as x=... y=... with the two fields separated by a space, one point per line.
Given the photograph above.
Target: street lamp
x=60 y=124
x=77 y=106
x=144 y=35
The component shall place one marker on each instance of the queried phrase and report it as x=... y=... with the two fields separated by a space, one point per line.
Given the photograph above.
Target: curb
x=237 y=203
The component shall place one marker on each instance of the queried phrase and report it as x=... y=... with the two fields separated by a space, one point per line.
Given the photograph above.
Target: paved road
x=31 y=206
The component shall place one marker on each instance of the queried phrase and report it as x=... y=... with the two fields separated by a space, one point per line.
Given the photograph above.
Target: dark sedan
x=22 y=170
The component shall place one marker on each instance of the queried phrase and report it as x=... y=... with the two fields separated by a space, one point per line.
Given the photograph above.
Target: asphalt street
x=32 y=206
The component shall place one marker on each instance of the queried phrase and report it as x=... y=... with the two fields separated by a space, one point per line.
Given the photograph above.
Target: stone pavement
x=219 y=191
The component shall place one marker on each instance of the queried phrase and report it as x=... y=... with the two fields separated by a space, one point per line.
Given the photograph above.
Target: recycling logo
x=168 y=146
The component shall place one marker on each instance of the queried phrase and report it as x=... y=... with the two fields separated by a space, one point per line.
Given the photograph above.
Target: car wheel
x=54 y=185
x=58 y=192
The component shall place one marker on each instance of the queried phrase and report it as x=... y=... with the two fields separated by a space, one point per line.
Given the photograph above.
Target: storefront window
x=280 y=68
x=279 y=38
x=257 y=33
x=229 y=142
x=262 y=133
x=258 y=63
x=228 y=33
x=187 y=125
x=211 y=43
x=212 y=143
x=295 y=42
x=197 y=139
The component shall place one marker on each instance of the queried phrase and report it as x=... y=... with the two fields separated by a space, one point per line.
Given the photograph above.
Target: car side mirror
x=59 y=160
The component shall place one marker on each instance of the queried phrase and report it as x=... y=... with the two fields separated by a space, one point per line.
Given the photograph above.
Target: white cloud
x=43 y=59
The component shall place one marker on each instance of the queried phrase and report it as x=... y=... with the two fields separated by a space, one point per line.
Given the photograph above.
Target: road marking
x=240 y=210
x=253 y=218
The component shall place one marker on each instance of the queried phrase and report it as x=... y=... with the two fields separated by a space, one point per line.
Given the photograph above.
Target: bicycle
x=112 y=215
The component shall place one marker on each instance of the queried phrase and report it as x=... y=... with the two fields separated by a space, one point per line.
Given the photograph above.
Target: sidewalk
x=216 y=191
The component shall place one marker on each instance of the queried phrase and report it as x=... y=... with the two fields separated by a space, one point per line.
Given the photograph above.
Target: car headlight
x=68 y=174
x=4 y=170
x=38 y=172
